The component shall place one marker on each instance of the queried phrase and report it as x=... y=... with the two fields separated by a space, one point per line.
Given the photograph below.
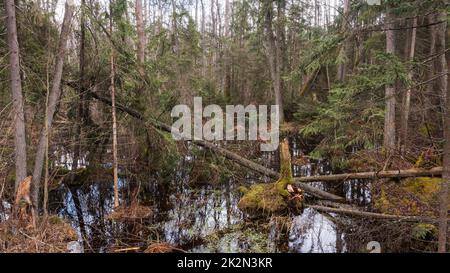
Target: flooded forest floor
x=196 y=211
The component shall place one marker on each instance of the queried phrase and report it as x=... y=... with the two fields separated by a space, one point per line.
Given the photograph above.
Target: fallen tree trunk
x=374 y=215
x=437 y=171
x=227 y=154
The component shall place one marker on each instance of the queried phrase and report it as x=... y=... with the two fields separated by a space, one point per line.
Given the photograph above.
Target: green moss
x=281 y=186
x=413 y=196
x=242 y=189
x=55 y=220
x=420 y=161
x=271 y=198
x=262 y=198
x=382 y=203
x=425 y=188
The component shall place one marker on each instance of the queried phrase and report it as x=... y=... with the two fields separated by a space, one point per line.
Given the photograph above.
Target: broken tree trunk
x=227 y=154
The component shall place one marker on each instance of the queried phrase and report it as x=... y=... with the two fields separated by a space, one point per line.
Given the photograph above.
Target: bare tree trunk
x=227 y=18
x=196 y=14
x=430 y=71
x=273 y=58
x=389 y=119
x=54 y=96
x=213 y=19
x=203 y=40
x=442 y=69
x=213 y=54
x=83 y=107
x=226 y=56
x=82 y=112
x=141 y=37
x=281 y=42
x=342 y=68
x=46 y=141
x=219 y=21
x=407 y=98
x=174 y=27
x=114 y=121
x=20 y=146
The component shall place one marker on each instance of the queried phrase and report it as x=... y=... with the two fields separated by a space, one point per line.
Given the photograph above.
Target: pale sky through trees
x=332 y=5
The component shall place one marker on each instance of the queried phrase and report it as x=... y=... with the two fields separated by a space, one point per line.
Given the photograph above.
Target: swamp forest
x=224 y=126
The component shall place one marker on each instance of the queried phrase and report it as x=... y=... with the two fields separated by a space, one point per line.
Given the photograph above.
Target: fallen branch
x=227 y=154
x=374 y=215
x=437 y=171
x=127 y=249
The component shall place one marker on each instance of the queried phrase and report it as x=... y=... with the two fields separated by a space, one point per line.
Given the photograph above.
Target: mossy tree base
x=272 y=198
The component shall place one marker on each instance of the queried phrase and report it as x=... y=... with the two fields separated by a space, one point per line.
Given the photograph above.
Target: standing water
x=205 y=218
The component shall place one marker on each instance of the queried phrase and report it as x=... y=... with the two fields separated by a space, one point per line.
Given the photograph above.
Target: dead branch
x=437 y=171
x=374 y=215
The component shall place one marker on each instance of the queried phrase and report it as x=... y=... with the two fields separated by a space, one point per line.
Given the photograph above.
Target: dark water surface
x=205 y=218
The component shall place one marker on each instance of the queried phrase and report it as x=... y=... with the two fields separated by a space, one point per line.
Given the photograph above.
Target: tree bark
x=430 y=71
x=54 y=96
x=226 y=56
x=20 y=146
x=174 y=27
x=442 y=68
x=407 y=98
x=203 y=44
x=273 y=56
x=342 y=67
x=389 y=119
x=141 y=37
x=114 y=121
